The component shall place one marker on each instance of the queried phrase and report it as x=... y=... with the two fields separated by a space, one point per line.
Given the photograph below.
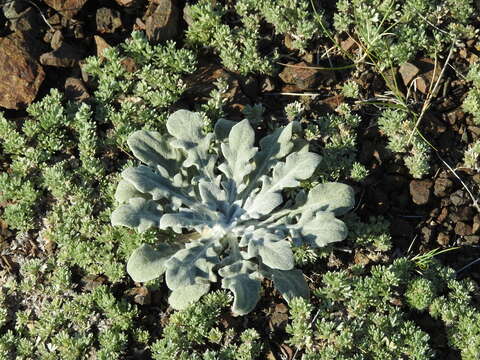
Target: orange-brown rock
x=162 y=23
x=20 y=74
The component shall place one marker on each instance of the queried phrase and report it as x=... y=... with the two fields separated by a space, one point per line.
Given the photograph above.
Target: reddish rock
x=420 y=191
x=20 y=74
x=162 y=23
x=68 y=8
x=348 y=45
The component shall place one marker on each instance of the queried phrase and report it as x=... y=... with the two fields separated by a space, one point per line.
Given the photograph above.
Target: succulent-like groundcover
x=231 y=195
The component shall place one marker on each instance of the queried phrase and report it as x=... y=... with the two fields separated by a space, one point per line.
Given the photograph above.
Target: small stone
x=442 y=187
x=443 y=215
x=68 y=8
x=162 y=24
x=465 y=213
x=65 y=56
x=443 y=239
x=20 y=74
x=458 y=198
x=471 y=240
x=348 y=45
x=125 y=3
x=108 y=20
x=408 y=72
x=420 y=191
x=300 y=74
x=267 y=84
x=75 y=89
x=57 y=40
x=101 y=45
x=463 y=229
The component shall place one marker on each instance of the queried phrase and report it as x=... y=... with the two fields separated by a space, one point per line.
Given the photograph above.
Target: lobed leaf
x=321 y=229
x=290 y=283
x=154 y=150
x=138 y=214
x=192 y=265
x=274 y=251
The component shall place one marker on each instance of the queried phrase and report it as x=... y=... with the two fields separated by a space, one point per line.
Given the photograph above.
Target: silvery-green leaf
x=273 y=147
x=246 y=292
x=321 y=229
x=289 y=283
x=147 y=181
x=211 y=194
x=147 y=263
x=188 y=219
x=138 y=214
x=186 y=128
x=238 y=153
x=126 y=191
x=297 y=167
x=180 y=298
x=151 y=148
x=332 y=197
x=192 y=265
x=274 y=251
x=222 y=128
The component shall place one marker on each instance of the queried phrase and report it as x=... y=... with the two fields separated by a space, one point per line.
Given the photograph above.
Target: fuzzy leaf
x=192 y=265
x=332 y=197
x=238 y=153
x=146 y=263
x=151 y=148
x=274 y=250
x=222 y=128
x=246 y=292
x=321 y=229
x=187 y=219
x=180 y=298
x=147 y=181
x=289 y=283
x=125 y=191
x=297 y=167
x=186 y=128
x=273 y=148
x=138 y=214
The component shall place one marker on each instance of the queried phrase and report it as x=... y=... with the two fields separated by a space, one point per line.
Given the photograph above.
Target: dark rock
x=75 y=89
x=420 y=191
x=442 y=187
x=27 y=21
x=20 y=74
x=65 y=56
x=68 y=8
x=443 y=239
x=108 y=20
x=162 y=24
x=465 y=213
x=463 y=229
x=408 y=72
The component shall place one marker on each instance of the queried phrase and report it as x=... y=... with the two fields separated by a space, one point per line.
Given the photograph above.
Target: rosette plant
x=231 y=193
